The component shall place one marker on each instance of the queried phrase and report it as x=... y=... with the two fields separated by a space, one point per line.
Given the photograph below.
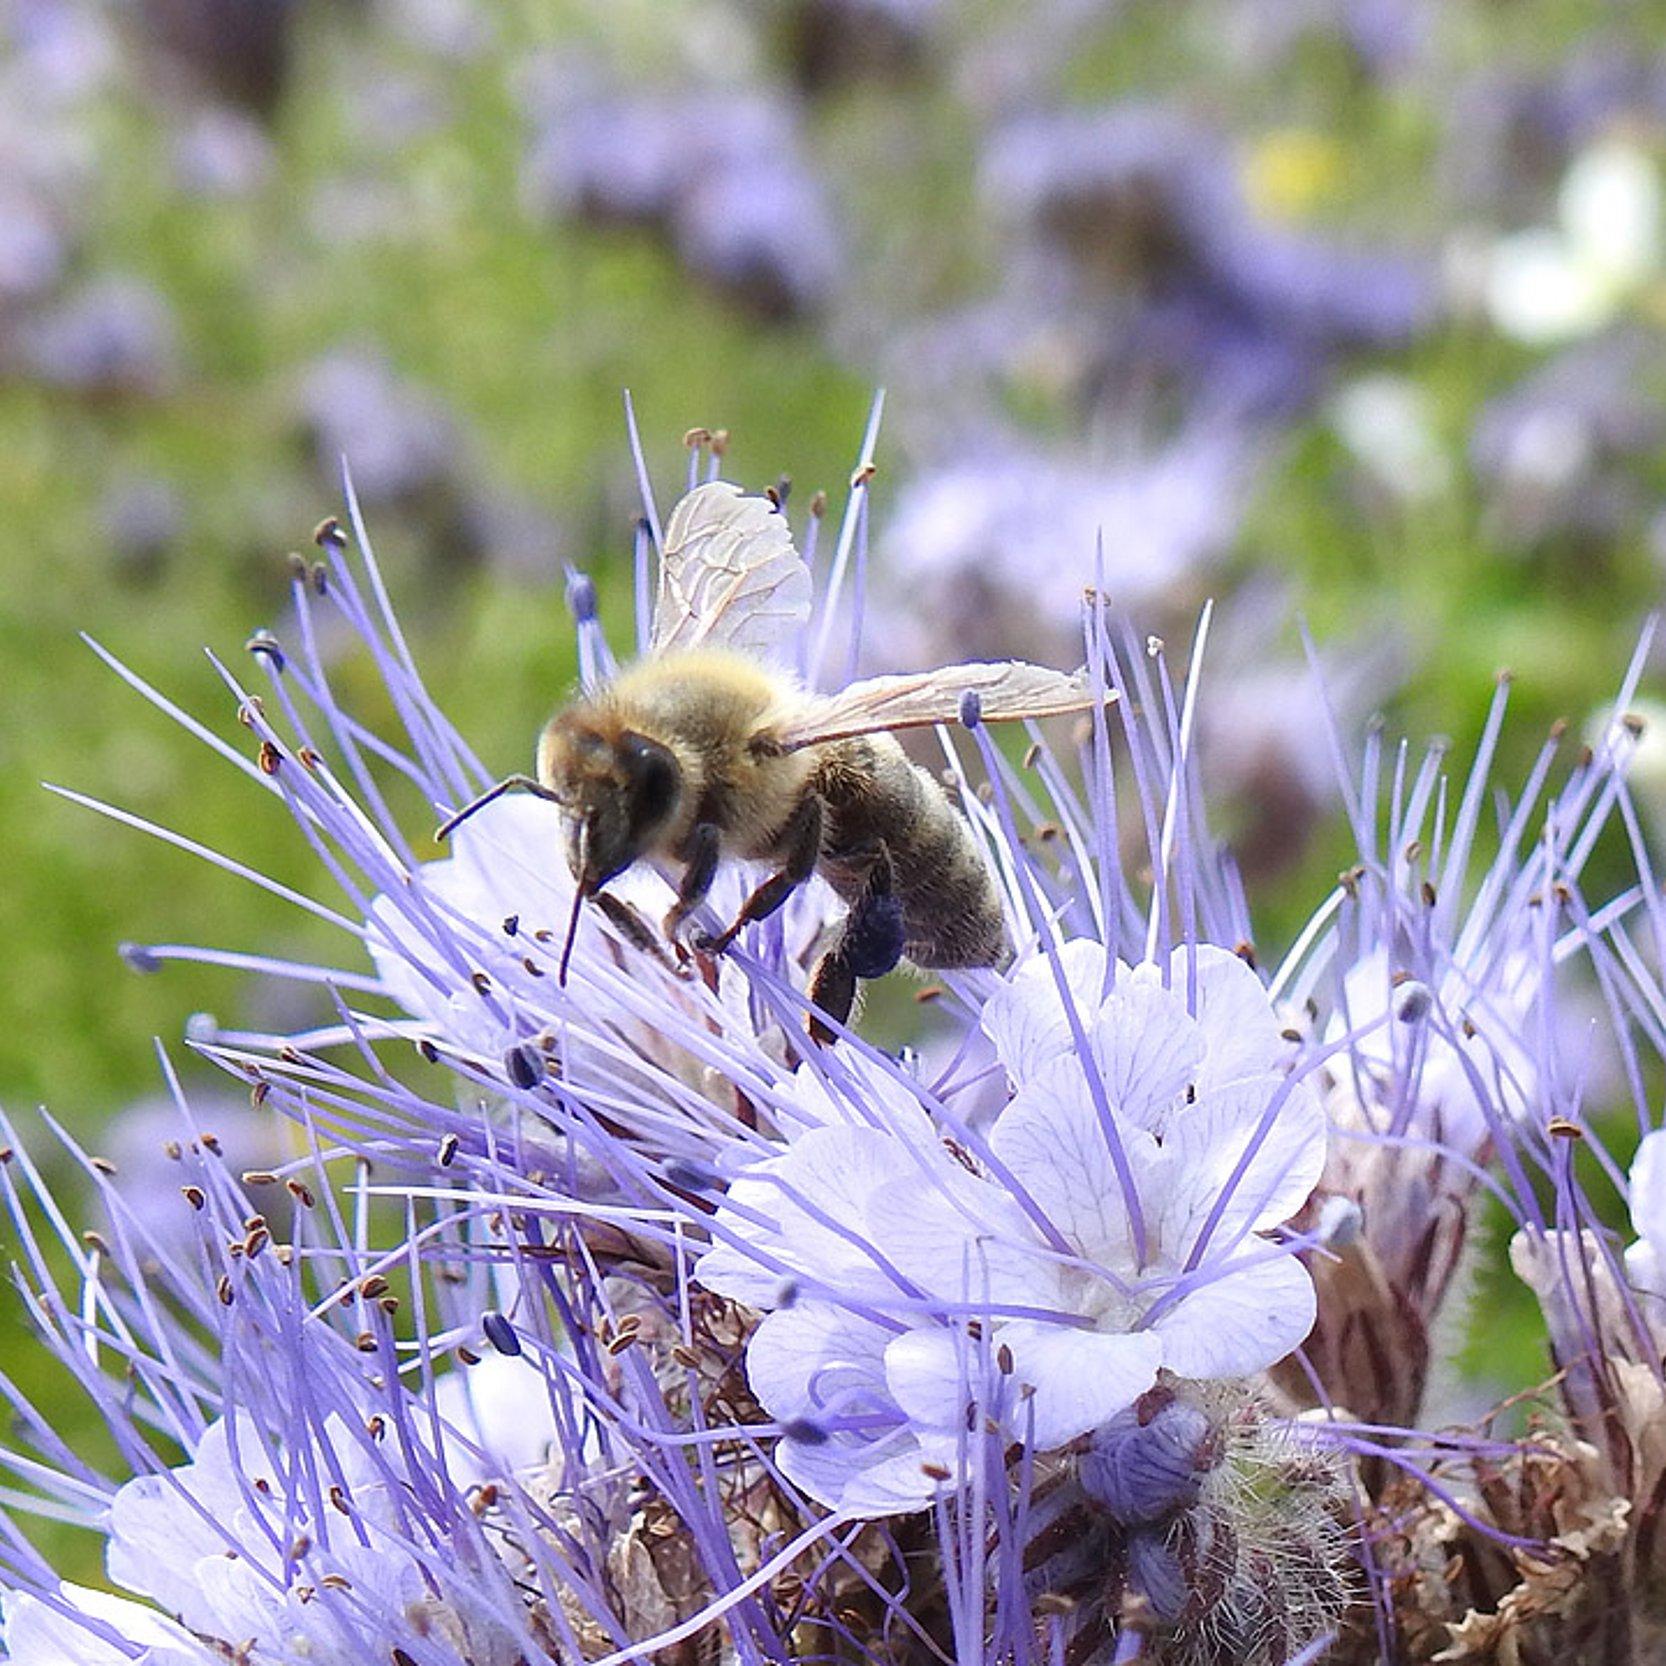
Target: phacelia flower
x=988 y=1351
x=1108 y=1229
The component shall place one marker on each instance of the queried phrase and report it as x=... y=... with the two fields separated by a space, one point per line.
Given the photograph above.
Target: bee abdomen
x=873 y=795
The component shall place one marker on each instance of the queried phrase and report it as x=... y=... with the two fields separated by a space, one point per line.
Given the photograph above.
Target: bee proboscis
x=705 y=748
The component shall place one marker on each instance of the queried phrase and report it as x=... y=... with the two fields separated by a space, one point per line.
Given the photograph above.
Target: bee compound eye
x=654 y=778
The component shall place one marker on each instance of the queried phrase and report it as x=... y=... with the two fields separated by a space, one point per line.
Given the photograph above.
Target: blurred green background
x=1398 y=263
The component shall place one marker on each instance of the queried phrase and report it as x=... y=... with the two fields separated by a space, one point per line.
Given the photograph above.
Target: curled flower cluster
x=593 y=1311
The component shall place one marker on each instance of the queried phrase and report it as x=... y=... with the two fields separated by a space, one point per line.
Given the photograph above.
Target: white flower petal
x=1648 y=1189
x=159 y=1536
x=1149 y=1049
x=1080 y=1378
x=1051 y=1140
x=1240 y=1322
x=1540 y=290
x=502 y=1405
x=957 y=1237
x=1207 y=1142
x=35 y=1634
x=1025 y=1017
x=1242 y=1033
x=1646 y=1270
x=815 y=1360
x=895 y=1476
x=836 y=1171
x=1611 y=208
x=865 y=1095
x=929 y=1372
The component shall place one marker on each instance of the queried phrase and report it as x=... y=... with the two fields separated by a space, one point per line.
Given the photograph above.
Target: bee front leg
x=802 y=838
x=629 y=923
x=699 y=871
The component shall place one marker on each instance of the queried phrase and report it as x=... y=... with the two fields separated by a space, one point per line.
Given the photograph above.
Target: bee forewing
x=729 y=576
x=1007 y=692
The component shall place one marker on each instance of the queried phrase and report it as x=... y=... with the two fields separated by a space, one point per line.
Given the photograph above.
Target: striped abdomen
x=873 y=795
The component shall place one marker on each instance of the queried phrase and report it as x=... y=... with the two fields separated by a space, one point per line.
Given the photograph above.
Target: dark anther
x=501 y=1334
x=266 y=645
x=581 y=598
x=523 y=1067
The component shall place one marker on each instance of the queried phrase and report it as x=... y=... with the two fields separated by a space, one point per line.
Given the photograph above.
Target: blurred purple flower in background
x=1145 y=205
x=721 y=174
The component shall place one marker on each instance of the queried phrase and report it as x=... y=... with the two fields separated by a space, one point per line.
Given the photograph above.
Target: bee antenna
x=578 y=903
x=510 y=783
x=572 y=935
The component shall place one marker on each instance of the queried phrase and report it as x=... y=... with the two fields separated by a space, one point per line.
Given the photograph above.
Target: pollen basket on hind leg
x=877 y=799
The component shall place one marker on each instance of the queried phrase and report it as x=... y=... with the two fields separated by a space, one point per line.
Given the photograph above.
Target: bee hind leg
x=802 y=839
x=870 y=945
x=832 y=995
x=873 y=937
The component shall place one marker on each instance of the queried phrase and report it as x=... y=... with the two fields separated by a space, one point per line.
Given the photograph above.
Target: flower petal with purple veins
x=1078 y=1378
x=1239 y=1322
x=1025 y=1018
x=34 y=1633
x=1265 y=1138
x=1148 y=1049
x=1051 y=1141
x=1241 y=1031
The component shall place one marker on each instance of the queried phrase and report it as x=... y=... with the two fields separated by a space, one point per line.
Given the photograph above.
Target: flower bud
x=1145 y=1464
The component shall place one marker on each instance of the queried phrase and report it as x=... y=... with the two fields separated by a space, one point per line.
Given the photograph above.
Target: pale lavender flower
x=332 y=1506
x=115 y=336
x=223 y=153
x=1557 y=453
x=1513 y=128
x=1442 y=990
x=79 y=1626
x=1107 y=1233
x=974 y=543
x=1144 y=204
x=402 y=440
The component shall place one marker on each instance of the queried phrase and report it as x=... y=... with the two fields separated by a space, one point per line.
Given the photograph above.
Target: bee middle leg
x=802 y=839
x=698 y=872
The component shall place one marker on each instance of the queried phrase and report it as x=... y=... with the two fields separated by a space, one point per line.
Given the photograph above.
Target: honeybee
x=708 y=747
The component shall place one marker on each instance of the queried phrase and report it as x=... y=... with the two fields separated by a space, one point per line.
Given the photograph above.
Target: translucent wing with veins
x=729 y=576
x=1008 y=691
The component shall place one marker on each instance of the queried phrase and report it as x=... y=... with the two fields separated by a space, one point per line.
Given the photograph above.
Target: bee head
x=618 y=787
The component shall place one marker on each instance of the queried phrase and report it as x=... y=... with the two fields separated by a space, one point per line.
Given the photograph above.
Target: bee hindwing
x=729 y=576
x=1007 y=692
